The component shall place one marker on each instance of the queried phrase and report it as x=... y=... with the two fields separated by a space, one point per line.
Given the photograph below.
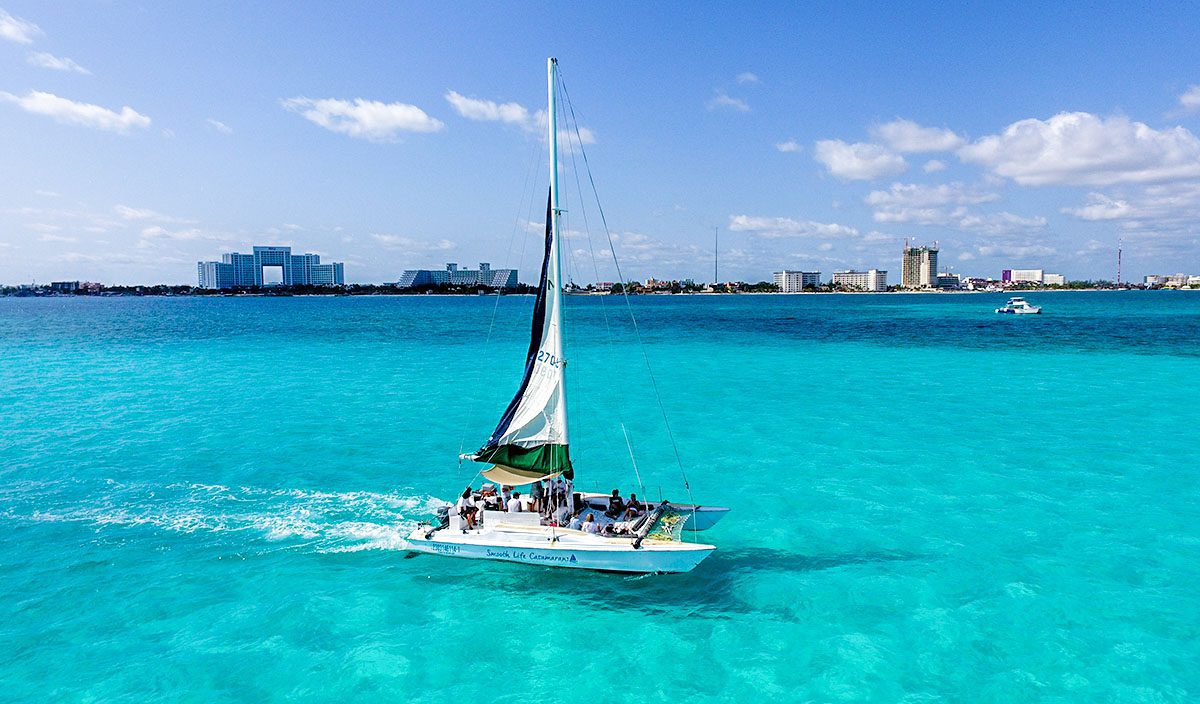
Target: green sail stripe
x=538 y=461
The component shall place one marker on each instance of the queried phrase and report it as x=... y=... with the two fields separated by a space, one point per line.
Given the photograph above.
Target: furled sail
x=530 y=442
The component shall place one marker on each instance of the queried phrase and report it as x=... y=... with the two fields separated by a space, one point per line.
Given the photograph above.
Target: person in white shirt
x=590 y=525
x=575 y=524
x=467 y=509
x=514 y=504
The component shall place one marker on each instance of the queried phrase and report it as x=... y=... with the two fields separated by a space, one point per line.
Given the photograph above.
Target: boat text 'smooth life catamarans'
x=1018 y=306
x=556 y=526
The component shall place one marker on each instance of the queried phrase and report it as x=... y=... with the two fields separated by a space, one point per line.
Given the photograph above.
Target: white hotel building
x=797 y=281
x=872 y=280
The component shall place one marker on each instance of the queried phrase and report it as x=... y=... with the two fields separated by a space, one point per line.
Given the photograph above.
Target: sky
x=137 y=138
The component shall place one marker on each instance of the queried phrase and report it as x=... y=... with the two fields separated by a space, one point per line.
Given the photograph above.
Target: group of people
x=553 y=502
x=557 y=504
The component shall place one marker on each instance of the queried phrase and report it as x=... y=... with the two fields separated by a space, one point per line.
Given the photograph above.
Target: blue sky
x=141 y=137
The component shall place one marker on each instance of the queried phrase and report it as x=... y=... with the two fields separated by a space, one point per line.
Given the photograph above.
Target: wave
x=275 y=518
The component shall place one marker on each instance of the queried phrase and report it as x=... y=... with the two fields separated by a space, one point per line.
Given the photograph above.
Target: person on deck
x=514 y=504
x=576 y=524
x=558 y=492
x=633 y=509
x=616 y=505
x=538 y=495
x=590 y=525
x=505 y=496
x=467 y=509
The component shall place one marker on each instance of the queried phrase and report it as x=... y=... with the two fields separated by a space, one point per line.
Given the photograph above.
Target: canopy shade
x=505 y=475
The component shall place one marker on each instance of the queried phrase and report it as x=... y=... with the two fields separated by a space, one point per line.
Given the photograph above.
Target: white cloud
x=1101 y=207
x=74 y=113
x=825 y=246
x=965 y=256
x=997 y=223
x=723 y=101
x=961 y=218
x=56 y=63
x=127 y=213
x=787 y=227
x=1082 y=149
x=641 y=249
x=789 y=146
x=918 y=195
x=219 y=126
x=57 y=238
x=747 y=77
x=17 y=30
x=1016 y=251
x=153 y=234
x=48 y=194
x=1190 y=99
x=491 y=111
x=516 y=114
x=364 y=119
x=1170 y=210
x=908 y=136
x=859 y=161
x=920 y=204
x=568 y=138
x=412 y=245
x=933 y=166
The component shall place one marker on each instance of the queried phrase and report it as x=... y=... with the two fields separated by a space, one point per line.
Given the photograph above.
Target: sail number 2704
x=556 y=362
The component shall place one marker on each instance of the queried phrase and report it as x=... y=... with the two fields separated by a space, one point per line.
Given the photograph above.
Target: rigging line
x=526 y=193
x=625 y=293
x=603 y=306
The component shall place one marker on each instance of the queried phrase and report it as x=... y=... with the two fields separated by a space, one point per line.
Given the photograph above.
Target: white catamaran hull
x=560 y=548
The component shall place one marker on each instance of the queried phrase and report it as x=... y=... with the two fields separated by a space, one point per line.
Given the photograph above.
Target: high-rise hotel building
x=269 y=266
x=873 y=280
x=797 y=281
x=918 y=267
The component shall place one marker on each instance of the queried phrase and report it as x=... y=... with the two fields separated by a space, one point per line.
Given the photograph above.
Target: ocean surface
x=204 y=500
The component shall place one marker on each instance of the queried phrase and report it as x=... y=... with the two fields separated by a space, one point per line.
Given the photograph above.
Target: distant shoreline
x=159 y=292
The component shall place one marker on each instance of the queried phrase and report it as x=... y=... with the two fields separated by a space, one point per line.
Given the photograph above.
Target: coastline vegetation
x=632 y=288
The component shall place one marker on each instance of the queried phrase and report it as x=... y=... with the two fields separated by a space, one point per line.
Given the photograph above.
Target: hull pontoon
x=519 y=538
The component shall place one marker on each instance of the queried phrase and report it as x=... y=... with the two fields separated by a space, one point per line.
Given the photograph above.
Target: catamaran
x=530 y=446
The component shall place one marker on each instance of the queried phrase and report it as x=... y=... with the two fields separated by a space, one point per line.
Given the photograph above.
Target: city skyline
x=149 y=138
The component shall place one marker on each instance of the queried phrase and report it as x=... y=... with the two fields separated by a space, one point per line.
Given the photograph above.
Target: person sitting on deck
x=616 y=505
x=514 y=504
x=633 y=509
x=467 y=509
x=575 y=524
x=590 y=525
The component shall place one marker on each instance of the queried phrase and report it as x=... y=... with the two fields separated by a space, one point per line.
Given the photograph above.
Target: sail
x=530 y=441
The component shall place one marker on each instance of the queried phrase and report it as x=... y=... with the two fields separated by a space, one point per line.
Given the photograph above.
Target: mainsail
x=530 y=442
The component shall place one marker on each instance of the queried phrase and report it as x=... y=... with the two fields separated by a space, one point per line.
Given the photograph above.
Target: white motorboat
x=1018 y=306
x=530 y=445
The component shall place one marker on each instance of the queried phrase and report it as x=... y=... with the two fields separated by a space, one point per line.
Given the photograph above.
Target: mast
x=530 y=442
x=555 y=281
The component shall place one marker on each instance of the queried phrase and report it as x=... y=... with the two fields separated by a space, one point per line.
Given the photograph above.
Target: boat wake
x=255 y=519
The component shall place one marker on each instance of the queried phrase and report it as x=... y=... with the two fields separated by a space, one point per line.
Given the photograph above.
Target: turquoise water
x=204 y=500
